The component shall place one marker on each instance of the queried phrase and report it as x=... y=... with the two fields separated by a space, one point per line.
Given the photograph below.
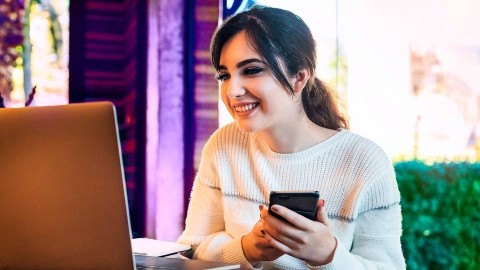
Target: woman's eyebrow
x=248 y=61
x=243 y=63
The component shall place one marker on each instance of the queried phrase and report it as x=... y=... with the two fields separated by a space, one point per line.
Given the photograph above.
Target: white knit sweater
x=352 y=174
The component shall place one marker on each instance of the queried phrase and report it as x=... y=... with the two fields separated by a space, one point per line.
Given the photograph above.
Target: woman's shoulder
x=360 y=143
x=355 y=137
x=363 y=151
x=228 y=131
x=373 y=171
x=228 y=135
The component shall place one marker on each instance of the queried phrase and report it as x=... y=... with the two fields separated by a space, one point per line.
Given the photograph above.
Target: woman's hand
x=256 y=248
x=310 y=241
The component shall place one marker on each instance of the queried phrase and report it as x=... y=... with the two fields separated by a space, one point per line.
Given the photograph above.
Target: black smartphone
x=303 y=202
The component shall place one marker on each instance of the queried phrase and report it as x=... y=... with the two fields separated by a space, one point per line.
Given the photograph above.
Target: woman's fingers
x=289 y=233
x=292 y=217
x=298 y=230
x=322 y=213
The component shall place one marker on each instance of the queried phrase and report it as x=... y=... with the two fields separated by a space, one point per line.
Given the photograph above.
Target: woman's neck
x=295 y=137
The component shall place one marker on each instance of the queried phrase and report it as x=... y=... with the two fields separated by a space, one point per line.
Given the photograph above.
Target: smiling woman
x=288 y=134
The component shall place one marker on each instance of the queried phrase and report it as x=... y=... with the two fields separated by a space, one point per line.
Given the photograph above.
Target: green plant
x=441 y=214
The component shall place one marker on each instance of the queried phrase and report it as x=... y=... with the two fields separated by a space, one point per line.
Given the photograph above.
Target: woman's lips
x=245 y=109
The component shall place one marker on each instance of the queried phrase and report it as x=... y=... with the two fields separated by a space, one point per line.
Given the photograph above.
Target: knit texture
x=352 y=174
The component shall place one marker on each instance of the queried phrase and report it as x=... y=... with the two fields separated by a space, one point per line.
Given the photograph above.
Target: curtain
x=165 y=120
x=182 y=107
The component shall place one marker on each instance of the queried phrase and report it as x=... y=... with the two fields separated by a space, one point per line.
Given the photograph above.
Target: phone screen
x=302 y=202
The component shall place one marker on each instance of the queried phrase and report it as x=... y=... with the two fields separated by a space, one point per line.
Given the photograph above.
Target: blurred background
x=407 y=73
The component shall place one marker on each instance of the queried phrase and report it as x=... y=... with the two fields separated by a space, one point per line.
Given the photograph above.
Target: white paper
x=153 y=247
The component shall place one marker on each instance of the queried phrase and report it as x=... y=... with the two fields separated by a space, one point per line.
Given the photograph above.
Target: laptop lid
x=62 y=191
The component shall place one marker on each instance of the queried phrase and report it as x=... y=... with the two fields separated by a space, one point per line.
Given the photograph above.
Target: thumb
x=322 y=212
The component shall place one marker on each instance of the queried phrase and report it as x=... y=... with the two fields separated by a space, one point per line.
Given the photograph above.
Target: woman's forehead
x=237 y=49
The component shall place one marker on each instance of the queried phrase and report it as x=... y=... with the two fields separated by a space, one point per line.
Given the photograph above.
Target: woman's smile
x=243 y=110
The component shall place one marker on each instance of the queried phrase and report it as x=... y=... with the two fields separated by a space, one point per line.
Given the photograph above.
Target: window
x=407 y=71
x=42 y=54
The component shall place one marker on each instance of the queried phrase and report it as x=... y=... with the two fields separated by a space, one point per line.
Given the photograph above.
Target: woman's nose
x=235 y=88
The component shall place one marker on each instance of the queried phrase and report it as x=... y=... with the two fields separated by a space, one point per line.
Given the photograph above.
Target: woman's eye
x=222 y=77
x=253 y=71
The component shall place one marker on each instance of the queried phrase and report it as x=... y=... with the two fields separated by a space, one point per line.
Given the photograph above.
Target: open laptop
x=63 y=201
x=62 y=192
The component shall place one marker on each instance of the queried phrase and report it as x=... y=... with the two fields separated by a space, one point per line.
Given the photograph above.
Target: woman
x=288 y=134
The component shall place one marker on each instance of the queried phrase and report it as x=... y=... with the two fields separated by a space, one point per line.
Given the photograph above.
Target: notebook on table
x=63 y=201
x=147 y=262
x=157 y=254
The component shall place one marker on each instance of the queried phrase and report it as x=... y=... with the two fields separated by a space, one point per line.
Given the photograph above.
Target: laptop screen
x=62 y=190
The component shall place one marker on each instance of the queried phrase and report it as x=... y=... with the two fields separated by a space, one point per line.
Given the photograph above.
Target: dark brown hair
x=283 y=39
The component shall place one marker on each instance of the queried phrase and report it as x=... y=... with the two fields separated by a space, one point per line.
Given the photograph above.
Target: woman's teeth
x=245 y=108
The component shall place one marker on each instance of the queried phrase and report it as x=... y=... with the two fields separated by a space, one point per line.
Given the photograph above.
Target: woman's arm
x=376 y=242
x=205 y=228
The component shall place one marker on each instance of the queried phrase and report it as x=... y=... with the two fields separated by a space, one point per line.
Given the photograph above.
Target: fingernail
x=260 y=207
x=321 y=202
x=262 y=231
x=274 y=208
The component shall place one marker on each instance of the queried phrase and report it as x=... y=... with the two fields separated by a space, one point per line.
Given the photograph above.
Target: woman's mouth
x=245 y=108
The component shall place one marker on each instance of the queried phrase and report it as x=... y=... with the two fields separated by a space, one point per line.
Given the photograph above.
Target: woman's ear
x=300 y=80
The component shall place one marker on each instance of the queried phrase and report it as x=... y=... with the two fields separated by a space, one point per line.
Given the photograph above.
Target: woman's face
x=253 y=96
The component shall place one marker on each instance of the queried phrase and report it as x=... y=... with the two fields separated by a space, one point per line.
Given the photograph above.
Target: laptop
x=63 y=201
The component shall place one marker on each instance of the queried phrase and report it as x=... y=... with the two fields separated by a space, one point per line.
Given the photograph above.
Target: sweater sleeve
x=376 y=243
x=205 y=229
x=204 y=224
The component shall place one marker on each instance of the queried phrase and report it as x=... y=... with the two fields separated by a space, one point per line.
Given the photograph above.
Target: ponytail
x=321 y=106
